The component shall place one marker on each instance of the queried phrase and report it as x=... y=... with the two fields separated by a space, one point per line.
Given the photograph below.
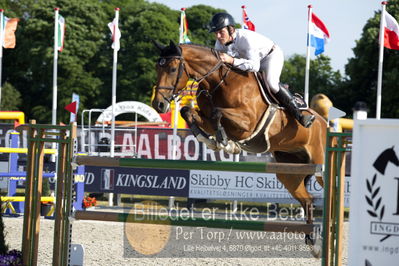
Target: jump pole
x=237 y=224
x=253 y=167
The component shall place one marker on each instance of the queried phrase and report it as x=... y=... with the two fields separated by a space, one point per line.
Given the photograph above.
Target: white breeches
x=272 y=65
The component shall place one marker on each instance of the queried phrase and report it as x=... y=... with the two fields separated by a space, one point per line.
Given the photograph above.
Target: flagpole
x=114 y=66
x=1 y=49
x=307 y=68
x=54 y=111
x=177 y=103
x=380 y=60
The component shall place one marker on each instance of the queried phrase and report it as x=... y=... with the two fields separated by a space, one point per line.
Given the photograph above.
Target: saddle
x=269 y=96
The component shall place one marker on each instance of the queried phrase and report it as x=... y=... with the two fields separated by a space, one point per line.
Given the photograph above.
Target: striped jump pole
x=253 y=167
x=233 y=223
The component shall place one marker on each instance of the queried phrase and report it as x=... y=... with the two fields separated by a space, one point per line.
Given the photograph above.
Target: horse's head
x=172 y=76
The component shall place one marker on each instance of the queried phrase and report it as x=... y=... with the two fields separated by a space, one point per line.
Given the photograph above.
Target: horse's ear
x=158 y=45
x=174 y=47
x=172 y=44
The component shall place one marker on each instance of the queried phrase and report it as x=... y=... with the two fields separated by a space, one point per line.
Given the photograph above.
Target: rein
x=182 y=68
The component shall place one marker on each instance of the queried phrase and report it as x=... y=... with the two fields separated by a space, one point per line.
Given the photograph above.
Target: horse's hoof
x=314 y=249
x=316 y=252
x=231 y=147
x=309 y=240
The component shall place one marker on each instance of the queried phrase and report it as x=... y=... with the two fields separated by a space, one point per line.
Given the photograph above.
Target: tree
x=140 y=24
x=30 y=64
x=362 y=71
x=10 y=98
x=85 y=64
x=323 y=79
x=198 y=18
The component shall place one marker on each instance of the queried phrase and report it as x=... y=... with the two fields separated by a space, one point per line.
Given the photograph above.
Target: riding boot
x=288 y=102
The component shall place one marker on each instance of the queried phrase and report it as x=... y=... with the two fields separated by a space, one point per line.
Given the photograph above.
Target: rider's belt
x=271 y=50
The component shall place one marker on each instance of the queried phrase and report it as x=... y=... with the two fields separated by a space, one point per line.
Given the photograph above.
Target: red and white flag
x=116 y=34
x=245 y=20
x=391 y=32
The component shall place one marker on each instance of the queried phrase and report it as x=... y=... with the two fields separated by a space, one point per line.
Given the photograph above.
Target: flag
x=319 y=34
x=116 y=34
x=9 y=28
x=60 y=33
x=391 y=32
x=183 y=28
x=246 y=22
x=71 y=108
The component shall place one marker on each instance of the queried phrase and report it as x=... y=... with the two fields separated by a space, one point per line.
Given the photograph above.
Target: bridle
x=182 y=68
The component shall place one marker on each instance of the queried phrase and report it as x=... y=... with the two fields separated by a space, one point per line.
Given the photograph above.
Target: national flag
x=246 y=22
x=183 y=36
x=60 y=33
x=319 y=34
x=9 y=28
x=391 y=32
x=116 y=34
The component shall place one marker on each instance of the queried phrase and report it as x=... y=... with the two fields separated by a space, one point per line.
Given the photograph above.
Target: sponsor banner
x=152 y=143
x=250 y=187
x=139 y=181
x=374 y=212
x=146 y=143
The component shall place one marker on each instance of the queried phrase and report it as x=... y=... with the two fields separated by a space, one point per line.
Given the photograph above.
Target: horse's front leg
x=221 y=135
x=200 y=126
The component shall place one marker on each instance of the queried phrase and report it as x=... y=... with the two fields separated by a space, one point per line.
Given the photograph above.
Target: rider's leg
x=273 y=63
x=287 y=100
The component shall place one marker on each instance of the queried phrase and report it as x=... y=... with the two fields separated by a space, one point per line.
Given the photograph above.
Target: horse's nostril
x=160 y=106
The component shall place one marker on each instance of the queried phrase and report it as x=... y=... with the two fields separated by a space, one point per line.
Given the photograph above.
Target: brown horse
x=250 y=122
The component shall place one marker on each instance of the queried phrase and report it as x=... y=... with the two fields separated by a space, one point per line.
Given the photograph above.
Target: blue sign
x=141 y=181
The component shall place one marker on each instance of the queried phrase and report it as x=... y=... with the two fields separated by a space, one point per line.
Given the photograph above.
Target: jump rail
x=266 y=226
x=254 y=167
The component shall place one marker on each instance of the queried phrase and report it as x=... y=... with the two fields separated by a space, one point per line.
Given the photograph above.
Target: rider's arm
x=252 y=59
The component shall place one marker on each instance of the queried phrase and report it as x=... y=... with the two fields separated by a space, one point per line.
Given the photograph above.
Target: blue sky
x=285 y=22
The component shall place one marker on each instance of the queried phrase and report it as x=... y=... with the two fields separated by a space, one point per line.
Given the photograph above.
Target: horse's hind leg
x=295 y=184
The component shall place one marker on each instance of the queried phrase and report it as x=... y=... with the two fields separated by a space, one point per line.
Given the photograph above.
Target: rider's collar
x=232 y=41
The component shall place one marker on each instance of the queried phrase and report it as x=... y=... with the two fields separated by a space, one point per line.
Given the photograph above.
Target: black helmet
x=221 y=20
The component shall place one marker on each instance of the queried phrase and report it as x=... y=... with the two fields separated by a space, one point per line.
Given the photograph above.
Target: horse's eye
x=172 y=70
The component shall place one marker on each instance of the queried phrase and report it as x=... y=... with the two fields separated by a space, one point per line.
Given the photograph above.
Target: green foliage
x=46 y=188
x=323 y=79
x=362 y=70
x=198 y=18
x=10 y=98
x=30 y=65
x=85 y=65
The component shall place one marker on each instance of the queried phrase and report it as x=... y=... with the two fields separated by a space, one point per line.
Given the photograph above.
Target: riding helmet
x=221 y=20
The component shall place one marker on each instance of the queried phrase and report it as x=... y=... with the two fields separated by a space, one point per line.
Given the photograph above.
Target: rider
x=251 y=51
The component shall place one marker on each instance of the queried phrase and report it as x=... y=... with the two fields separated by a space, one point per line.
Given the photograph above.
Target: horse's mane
x=196 y=45
x=208 y=49
x=176 y=50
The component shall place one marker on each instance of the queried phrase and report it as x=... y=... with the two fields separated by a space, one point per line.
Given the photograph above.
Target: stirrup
x=307 y=120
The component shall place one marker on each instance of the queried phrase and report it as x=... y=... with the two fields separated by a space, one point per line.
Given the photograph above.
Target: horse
x=232 y=99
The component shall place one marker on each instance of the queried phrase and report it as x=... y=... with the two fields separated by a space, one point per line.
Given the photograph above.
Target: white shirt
x=248 y=49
